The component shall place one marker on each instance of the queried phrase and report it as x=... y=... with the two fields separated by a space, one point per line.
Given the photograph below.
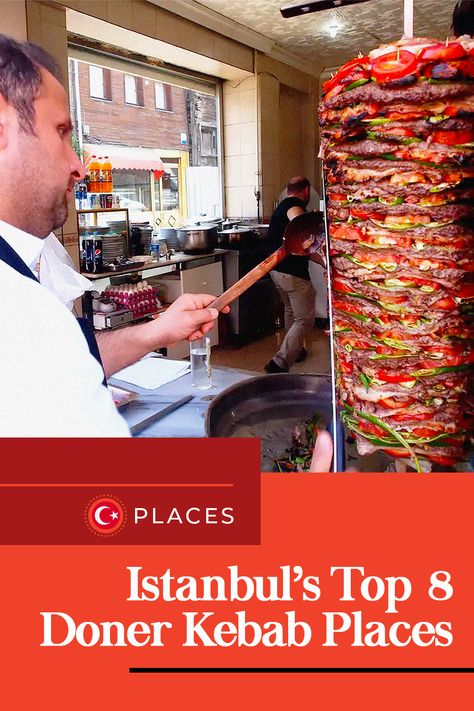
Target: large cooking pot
x=238 y=236
x=269 y=407
x=197 y=240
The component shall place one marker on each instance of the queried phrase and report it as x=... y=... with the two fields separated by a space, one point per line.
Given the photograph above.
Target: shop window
x=134 y=189
x=208 y=141
x=133 y=90
x=163 y=96
x=100 y=85
x=167 y=190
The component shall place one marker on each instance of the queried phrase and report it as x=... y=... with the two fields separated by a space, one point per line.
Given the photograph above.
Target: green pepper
x=366 y=380
x=355 y=84
x=437 y=119
x=388 y=156
x=376 y=121
x=391 y=201
x=429 y=372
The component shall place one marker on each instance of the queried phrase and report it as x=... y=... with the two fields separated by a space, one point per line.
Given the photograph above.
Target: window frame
x=139 y=90
x=167 y=96
x=106 y=83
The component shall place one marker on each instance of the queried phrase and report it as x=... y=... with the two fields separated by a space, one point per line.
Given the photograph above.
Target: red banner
x=360 y=594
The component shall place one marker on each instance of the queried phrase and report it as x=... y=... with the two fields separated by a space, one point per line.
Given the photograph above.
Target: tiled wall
x=14 y=19
x=240 y=148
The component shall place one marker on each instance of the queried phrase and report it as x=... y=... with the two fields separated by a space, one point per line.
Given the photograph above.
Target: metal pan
x=269 y=407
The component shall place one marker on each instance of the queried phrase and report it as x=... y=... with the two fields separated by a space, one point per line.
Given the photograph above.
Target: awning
x=137 y=164
x=127 y=157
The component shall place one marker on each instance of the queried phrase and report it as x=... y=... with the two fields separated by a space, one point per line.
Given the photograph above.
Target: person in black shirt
x=292 y=280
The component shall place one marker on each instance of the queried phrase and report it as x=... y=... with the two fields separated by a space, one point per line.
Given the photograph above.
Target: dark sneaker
x=302 y=355
x=272 y=367
x=322 y=323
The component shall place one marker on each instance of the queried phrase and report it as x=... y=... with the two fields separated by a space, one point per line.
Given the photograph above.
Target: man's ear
x=4 y=111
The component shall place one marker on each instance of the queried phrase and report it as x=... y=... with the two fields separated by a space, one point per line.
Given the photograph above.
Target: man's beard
x=59 y=213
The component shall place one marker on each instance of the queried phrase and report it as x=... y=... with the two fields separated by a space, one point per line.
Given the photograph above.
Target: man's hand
x=322 y=453
x=188 y=318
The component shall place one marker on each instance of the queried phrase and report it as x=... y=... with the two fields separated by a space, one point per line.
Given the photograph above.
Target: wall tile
x=232 y=142
x=231 y=109
x=232 y=173
x=248 y=135
x=248 y=105
x=233 y=202
x=249 y=169
x=249 y=202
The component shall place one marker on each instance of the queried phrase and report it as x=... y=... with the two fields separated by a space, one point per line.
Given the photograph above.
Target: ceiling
x=360 y=27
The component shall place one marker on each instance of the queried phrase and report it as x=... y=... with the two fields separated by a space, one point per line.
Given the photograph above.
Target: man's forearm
x=124 y=347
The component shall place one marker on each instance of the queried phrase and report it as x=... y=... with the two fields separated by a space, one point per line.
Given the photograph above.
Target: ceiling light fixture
x=302 y=8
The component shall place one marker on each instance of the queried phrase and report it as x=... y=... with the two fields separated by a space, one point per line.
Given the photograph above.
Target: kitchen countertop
x=189 y=419
x=173 y=261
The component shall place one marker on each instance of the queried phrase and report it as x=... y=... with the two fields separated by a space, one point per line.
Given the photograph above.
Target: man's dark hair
x=463 y=18
x=20 y=77
x=297 y=185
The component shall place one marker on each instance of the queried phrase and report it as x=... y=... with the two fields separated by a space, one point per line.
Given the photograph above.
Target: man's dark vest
x=10 y=257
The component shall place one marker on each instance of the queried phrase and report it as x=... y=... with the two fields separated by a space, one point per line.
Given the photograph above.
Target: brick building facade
x=114 y=121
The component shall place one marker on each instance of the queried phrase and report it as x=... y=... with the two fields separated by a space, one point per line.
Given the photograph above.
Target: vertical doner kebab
x=397 y=136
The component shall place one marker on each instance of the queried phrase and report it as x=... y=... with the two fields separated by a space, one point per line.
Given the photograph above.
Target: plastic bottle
x=107 y=175
x=101 y=178
x=94 y=169
x=155 y=245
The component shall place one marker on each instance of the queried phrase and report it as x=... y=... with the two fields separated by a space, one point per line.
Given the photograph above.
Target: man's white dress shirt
x=50 y=384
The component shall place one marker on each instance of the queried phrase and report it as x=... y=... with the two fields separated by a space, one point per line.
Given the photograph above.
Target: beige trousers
x=298 y=298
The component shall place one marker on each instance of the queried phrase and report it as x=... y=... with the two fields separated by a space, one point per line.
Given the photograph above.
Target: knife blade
x=158 y=415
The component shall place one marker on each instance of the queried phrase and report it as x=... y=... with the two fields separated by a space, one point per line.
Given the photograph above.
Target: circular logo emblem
x=105 y=515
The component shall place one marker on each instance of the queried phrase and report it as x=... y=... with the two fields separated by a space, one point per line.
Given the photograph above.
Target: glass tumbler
x=200 y=356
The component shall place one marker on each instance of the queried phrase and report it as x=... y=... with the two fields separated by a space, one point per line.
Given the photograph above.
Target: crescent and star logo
x=105 y=515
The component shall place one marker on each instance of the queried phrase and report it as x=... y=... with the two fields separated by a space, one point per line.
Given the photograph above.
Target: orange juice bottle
x=107 y=173
x=101 y=178
x=94 y=169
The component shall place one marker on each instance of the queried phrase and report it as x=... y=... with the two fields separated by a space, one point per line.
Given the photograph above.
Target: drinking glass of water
x=200 y=353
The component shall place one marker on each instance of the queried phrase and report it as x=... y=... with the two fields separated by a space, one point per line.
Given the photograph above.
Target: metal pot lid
x=236 y=230
x=197 y=228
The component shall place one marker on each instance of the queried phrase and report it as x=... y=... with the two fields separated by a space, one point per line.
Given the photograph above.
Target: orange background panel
x=393 y=525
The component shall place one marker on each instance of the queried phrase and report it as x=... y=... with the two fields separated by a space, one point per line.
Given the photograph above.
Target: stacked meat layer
x=397 y=132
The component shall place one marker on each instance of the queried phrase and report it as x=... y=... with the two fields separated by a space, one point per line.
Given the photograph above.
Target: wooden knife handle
x=249 y=279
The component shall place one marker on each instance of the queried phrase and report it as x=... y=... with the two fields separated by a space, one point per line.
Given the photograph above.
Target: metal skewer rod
x=331 y=337
x=408 y=19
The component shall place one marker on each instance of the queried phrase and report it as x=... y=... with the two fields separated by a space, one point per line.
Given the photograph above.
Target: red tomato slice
x=453 y=138
x=394 y=65
x=402 y=453
x=341 y=286
x=394 y=377
x=453 y=50
x=416 y=417
x=451 y=111
x=353 y=234
x=409 y=116
x=445 y=304
x=364 y=213
x=370 y=428
x=466 y=292
x=344 y=72
x=339 y=197
x=441 y=459
x=396 y=404
x=426 y=431
x=345 y=366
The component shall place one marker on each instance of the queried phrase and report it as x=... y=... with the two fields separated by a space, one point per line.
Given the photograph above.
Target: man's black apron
x=10 y=257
